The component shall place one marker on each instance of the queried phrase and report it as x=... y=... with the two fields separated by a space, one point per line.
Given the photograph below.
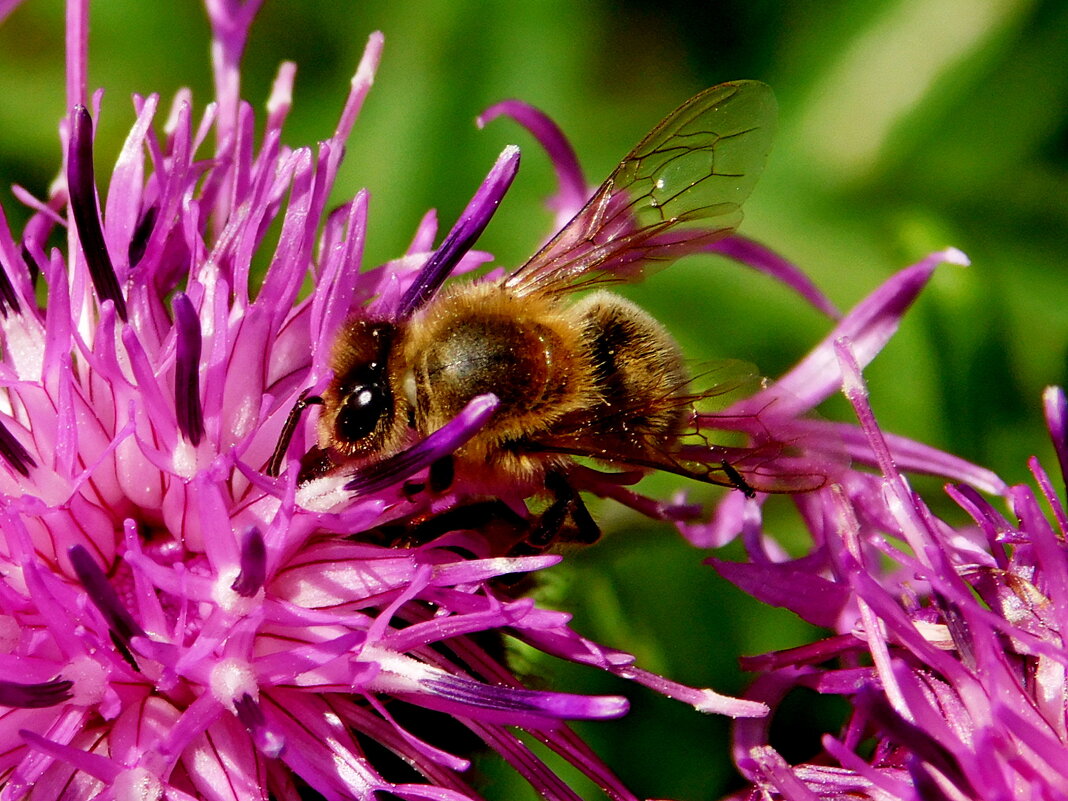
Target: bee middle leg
x=553 y=526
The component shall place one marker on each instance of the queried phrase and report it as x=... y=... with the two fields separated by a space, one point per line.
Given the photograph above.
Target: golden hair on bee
x=479 y=338
x=595 y=376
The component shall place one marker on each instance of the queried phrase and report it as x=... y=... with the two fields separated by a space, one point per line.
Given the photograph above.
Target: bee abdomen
x=638 y=372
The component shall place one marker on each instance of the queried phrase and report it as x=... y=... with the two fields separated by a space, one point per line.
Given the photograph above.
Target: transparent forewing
x=772 y=467
x=680 y=189
x=768 y=454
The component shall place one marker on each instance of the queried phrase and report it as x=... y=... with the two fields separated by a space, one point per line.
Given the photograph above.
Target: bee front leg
x=440 y=476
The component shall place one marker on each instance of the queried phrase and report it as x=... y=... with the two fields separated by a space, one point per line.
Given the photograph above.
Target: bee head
x=363 y=413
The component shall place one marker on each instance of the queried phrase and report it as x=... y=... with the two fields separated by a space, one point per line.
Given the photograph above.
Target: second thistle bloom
x=949 y=637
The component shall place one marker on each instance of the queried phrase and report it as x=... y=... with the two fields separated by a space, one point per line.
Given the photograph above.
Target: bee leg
x=473 y=516
x=441 y=474
x=567 y=505
x=314 y=464
x=274 y=464
x=737 y=480
x=439 y=478
x=585 y=531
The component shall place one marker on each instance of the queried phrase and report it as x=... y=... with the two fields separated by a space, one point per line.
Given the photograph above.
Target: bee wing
x=777 y=457
x=680 y=189
x=771 y=467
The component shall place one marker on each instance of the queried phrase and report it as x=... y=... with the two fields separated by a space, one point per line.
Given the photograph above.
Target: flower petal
x=464 y=233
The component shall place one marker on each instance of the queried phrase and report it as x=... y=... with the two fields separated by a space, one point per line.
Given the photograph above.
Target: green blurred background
x=906 y=126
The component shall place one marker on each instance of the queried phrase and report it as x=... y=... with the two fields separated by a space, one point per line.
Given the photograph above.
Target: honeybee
x=594 y=377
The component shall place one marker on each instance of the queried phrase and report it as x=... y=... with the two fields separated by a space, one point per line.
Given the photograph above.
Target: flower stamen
x=187 y=370
x=35 y=696
x=81 y=183
x=464 y=234
x=270 y=743
x=440 y=443
x=122 y=626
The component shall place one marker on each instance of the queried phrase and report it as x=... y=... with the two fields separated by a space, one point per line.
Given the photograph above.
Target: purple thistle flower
x=179 y=623
x=948 y=640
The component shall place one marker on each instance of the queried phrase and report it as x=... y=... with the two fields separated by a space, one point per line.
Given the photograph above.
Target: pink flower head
x=177 y=622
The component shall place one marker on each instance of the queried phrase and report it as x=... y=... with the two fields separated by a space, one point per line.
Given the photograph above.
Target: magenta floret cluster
x=177 y=622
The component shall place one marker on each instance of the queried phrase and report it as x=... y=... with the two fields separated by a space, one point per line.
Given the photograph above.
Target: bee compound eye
x=362 y=409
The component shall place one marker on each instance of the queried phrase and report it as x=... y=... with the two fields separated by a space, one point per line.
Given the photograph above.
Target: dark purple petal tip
x=187 y=370
x=35 y=696
x=141 y=234
x=1055 y=406
x=270 y=743
x=81 y=184
x=30 y=264
x=14 y=453
x=9 y=299
x=253 y=564
x=464 y=234
x=103 y=595
x=441 y=443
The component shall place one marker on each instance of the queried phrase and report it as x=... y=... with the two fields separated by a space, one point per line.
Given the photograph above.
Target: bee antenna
x=274 y=464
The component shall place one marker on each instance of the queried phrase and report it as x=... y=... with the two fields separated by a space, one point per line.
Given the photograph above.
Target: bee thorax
x=485 y=341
